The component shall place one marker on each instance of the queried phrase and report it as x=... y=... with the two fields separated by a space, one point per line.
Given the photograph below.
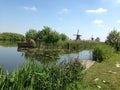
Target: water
x=11 y=58
x=83 y=55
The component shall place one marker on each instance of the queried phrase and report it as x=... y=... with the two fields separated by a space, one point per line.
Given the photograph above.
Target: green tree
x=46 y=30
x=31 y=34
x=97 y=39
x=63 y=37
x=42 y=35
x=8 y=36
x=113 y=39
x=53 y=37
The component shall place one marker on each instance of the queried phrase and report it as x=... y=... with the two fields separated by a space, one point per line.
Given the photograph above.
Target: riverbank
x=87 y=63
x=103 y=76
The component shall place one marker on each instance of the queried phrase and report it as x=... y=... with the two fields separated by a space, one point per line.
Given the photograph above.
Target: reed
x=32 y=76
x=102 y=52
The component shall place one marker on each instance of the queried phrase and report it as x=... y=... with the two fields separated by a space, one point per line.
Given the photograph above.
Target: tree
x=97 y=39
x=63 y=37
x=113 y=39
x=40 y=35
x=48 y=36
x=46 y=30
x=9 y=36
x=31 y=34
x=53 y=38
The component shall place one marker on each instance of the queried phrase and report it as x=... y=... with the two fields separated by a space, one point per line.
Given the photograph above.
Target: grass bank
x=103 y=76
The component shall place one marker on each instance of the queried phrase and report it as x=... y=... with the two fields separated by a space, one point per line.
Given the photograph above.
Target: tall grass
x=69 y=45
x=78 y=45
x=34 y=77
x=102 y=52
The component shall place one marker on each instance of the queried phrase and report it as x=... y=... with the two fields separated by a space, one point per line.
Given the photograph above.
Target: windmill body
x=77 y=35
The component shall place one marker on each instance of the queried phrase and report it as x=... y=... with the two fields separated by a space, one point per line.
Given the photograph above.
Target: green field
x=102 y=76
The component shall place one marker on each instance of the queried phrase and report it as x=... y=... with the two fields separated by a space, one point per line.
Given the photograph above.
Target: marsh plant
x=41 y=77
x=102 y=52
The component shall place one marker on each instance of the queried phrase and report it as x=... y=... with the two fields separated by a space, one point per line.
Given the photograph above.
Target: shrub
x=102 y=52
x=113 y=39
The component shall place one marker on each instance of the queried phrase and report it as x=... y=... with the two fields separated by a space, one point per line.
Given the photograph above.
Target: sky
x=92 y=17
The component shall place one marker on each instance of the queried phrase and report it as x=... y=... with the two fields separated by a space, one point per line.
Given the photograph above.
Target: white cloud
x=64 y=11
x=118 y=21
x=118 y=1
x=98 y=22
x=33 y=8
x=99 y=10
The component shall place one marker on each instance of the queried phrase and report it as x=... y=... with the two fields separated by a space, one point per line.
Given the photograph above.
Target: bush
x=102 y=52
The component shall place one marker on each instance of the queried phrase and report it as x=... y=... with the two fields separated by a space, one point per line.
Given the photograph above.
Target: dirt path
x=87 y=63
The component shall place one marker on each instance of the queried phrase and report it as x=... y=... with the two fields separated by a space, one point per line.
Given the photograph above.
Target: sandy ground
x=87 y=63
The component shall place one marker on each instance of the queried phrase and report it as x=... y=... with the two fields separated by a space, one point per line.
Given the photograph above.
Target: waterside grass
x=41 y=77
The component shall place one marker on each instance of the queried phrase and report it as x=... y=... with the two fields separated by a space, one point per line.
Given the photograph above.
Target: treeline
x=48 y=38
x=8 y=36
x=46 y=35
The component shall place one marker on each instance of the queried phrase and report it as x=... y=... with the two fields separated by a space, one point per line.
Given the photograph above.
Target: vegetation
x=46 y=35
x=103 y=76
x=102 y=52
x=31 y=76
x=78 y=45
x=113 y=39
x=6 y=36
x=47 y=38
x=63 y=37
x=31 y=34
x=36 y=77
x=97 y=39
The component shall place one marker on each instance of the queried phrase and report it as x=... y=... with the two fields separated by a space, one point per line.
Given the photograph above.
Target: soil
x=87 y=63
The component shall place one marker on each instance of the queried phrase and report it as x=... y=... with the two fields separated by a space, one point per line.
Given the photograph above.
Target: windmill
x=77 y=35
x=92 y=39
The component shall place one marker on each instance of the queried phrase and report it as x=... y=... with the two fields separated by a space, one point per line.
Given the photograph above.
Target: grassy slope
x=103 y=76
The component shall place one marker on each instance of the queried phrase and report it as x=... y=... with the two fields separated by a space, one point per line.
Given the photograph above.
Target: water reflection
x=8 y=44
x=54 y=56
x=83 y=55
x=42 y=56
x=11 y=58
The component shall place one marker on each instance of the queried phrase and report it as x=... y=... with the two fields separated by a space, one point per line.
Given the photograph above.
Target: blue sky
x=91 y=17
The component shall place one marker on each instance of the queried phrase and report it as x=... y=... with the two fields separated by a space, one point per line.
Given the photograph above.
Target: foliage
x=63 y=37
x=7 y=36
x=34 y=77
x=102 y=52
x=31 y=34
x=97 y=39
x=113 y=39
x=53 y=37
x=78 y=45
x=46 y=35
